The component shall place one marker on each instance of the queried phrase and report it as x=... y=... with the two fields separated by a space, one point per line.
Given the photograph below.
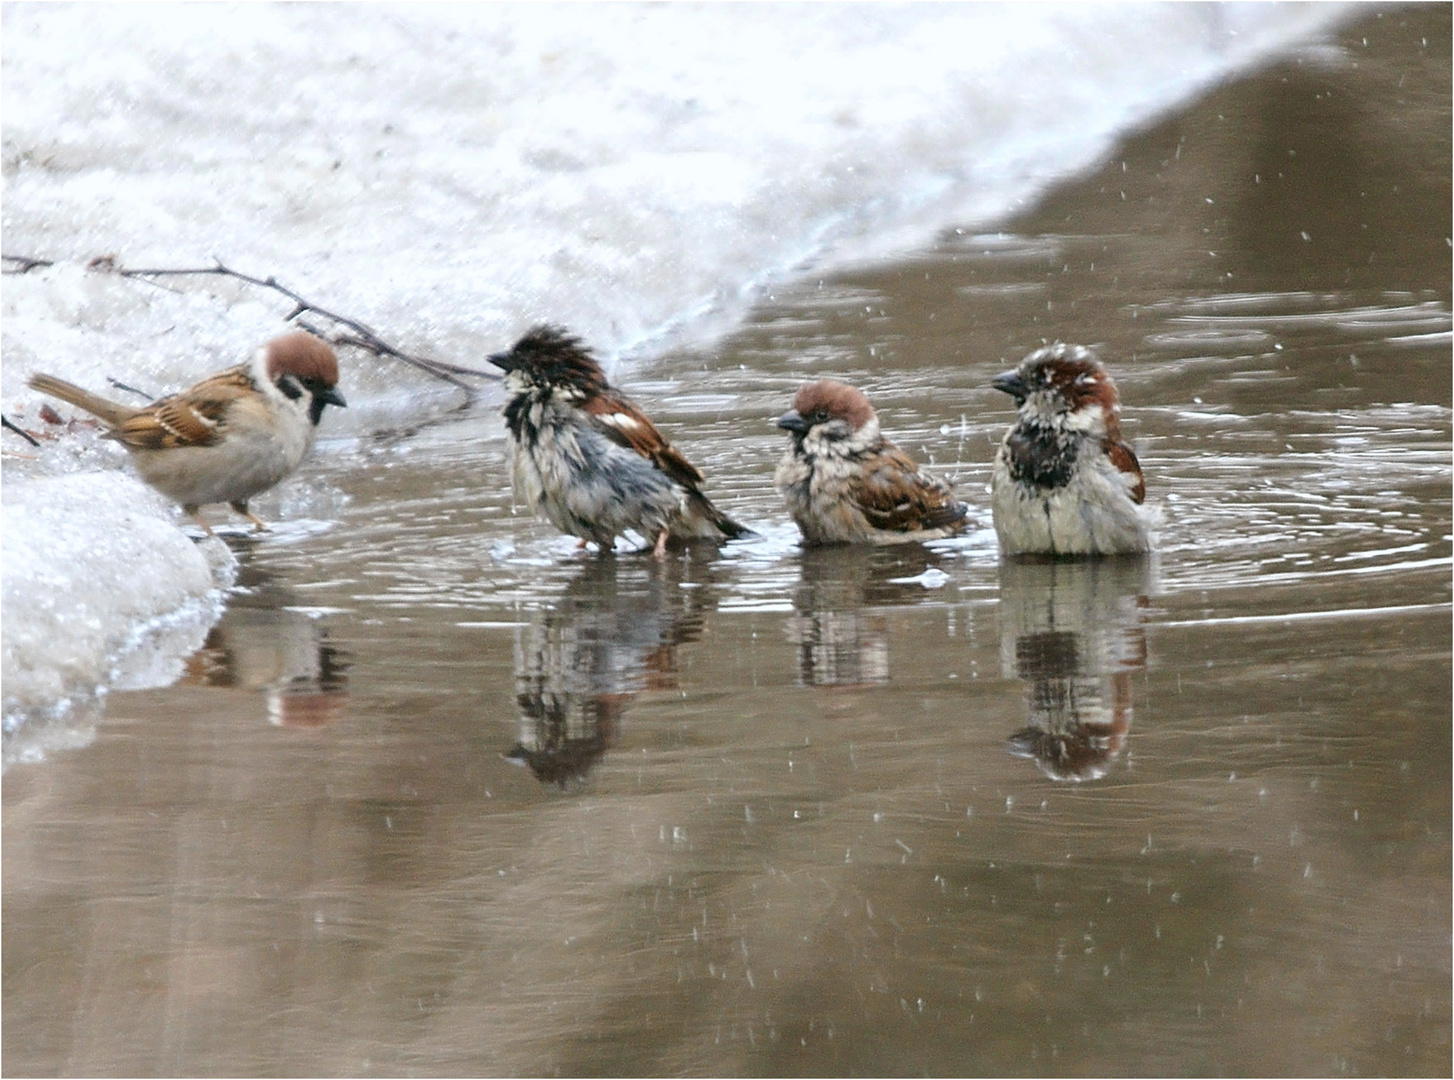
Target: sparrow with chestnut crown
x=231 y=436
x=845 y=483
x=1064 y=482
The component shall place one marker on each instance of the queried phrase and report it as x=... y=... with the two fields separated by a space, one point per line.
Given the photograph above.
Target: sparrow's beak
x=1011 y=383
x=792 y=421
x=330 y=396
x=502 y=360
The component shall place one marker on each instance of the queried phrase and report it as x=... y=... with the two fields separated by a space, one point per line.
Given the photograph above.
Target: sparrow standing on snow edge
x=233 y=435
x=1064 y=482
x=845 y=483
x=590 y=460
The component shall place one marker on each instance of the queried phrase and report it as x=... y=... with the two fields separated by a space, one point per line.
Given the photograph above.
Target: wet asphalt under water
x=442 y=795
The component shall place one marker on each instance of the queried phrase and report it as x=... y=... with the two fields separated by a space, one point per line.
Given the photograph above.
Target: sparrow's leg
x=258 y=524
x=193 y=513
x=659 y=552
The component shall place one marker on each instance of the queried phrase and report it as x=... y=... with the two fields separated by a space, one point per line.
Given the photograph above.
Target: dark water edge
x=440 y=796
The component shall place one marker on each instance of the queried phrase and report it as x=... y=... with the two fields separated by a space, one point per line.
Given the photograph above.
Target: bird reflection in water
x=840 y=625
x=1072 y=630
x=264 y=643
x=578 y=665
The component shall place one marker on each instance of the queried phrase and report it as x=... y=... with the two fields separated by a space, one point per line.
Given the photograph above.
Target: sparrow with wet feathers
x=845 y=483
x=1064 y=482
x=588 y=459
x=231 y=436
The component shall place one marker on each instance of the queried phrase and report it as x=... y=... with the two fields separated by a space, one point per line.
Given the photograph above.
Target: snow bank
x=99 y=588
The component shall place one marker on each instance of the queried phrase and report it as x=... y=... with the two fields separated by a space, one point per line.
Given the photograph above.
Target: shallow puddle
x=441 y=794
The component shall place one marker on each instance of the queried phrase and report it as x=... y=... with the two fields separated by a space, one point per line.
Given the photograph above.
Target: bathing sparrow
x=1064 y=482
x=230 y=437
x=845 y=483
x=589 y=459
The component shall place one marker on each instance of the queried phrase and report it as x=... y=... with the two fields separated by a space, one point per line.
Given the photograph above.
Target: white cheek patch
x=1086 y=418
x=826 y=438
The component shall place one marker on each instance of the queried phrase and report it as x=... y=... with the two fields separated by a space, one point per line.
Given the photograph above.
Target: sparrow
x=1064 y=482
x=845 y=483
x=589 y=459
x=233 y=435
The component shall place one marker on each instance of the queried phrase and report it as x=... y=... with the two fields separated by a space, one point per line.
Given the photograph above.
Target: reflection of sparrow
x=1072 y=630
x=260 y=644
x=590 y=460
x=845 y=483
x=841 y=622
x=1064 y=483
x=578 y=666
x=282 y=654
x=1072 y=734
x=230 y=437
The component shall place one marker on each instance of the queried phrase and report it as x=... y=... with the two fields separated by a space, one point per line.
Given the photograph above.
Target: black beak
x=791 y=421
x=330 y=396
x=1011 y=383
x=503 y=360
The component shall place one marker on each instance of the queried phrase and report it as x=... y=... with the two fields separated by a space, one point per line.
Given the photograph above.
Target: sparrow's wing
x=626 y=425
x=195 y=417
x=894 y=495
x=1124 y=459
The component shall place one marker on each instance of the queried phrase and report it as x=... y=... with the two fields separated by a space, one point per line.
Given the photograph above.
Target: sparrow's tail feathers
x=731 y=529
x=952 y=514
x=109 y=411
x=724 y=524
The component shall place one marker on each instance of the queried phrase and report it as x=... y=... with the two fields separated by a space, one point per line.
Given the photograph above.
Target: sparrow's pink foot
x=196 y=515
x=258 y=524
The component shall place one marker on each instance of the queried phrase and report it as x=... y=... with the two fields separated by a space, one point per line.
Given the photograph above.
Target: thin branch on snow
x=130 y=389
x=10 y=426
x=22 y=264
x=362 y=336
x=352 y=332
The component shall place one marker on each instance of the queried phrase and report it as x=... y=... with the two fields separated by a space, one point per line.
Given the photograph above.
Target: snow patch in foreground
x=100 y=589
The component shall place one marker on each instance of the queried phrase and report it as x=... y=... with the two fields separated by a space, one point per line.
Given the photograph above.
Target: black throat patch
x=1041 y=458
x=517 y=419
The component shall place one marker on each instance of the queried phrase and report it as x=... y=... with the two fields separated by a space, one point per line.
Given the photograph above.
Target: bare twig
x=22 y=264
x=27 y=436
x=130 y=389
x=362 y=336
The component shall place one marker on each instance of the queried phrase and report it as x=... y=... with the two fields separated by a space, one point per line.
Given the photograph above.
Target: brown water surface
x=441 y=795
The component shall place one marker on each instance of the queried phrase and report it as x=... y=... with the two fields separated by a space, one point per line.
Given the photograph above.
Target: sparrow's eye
x=818 y=416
